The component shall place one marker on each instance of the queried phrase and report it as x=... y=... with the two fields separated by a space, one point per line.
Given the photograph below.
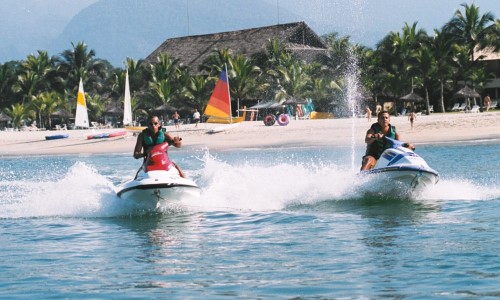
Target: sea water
x=270 y=224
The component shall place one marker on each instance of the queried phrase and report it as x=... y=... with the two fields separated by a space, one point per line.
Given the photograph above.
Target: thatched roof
x=487 y=54
x=192 y=51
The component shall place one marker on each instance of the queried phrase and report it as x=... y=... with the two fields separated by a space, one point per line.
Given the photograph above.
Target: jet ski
x=157 y=183
x=400 y=167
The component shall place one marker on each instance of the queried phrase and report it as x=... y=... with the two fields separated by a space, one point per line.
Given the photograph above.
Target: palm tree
x=441 y=46
x=198 y=90
x=425 y=68
x=25 y=86
x=34 y=75
x=7 y=79
x=45 y=104
x=80 y=62
x=295 y=80
x=18 y=112
x=473 y=30
x=215 y=63
x=244 y=76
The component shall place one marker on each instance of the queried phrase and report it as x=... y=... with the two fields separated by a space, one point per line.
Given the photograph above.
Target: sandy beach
x=437 y=127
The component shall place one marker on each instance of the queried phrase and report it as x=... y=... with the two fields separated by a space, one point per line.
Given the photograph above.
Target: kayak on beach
x=56 y=136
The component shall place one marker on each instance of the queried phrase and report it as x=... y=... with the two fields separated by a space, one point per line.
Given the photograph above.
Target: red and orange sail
x=219 y=104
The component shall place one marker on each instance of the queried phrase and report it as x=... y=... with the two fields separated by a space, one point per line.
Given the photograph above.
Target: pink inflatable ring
x=283 y=119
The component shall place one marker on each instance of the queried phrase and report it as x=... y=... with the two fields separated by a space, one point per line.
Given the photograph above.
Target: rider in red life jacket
x=154 y=135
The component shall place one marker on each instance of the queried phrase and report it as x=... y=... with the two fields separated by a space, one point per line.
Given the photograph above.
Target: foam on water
x=265 y=185
x=81 y=192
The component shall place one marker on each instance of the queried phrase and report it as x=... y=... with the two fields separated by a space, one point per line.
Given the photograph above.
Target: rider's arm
x=176 y=141
x=138 y=147
x=371 y=136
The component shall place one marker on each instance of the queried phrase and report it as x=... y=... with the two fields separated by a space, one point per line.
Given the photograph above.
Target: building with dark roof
x=192 y=51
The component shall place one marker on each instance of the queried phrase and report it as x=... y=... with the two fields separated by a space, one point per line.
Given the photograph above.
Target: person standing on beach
x=412 y=116
x=487 y=102
x=368 y=114
x=153 y=135
x=176 y=118
x=196 y=117
x=375 y=141
x=378 y=109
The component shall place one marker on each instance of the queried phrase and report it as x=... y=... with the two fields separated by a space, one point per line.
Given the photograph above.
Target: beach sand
x=437 y=127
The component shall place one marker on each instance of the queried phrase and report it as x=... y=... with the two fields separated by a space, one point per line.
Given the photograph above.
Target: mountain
x=117 y=29
x=29 y=25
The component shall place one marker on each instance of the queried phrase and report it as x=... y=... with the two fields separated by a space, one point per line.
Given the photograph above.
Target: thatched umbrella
x=466 y=92
x=264 y=105
x=4 y=117
x=62 y=113
x=115 y=110
x=293 y=101
x=412 y=97
x=165 y=107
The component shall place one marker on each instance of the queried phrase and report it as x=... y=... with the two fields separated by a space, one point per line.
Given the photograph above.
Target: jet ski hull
x=401 y=168
x=408 y=177
x=156 y=189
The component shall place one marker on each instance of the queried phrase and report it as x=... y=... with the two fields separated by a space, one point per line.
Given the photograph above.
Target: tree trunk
x=442 y=96
x=427 y=101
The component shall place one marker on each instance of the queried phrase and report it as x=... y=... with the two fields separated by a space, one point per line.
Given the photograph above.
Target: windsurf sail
x=81 y=116
x=127 y=108
x=218 y=108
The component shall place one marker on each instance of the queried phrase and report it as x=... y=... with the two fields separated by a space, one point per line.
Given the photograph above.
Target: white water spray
x=352 y=78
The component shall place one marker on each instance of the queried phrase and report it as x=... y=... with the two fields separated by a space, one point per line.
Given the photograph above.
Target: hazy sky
x=27 y=25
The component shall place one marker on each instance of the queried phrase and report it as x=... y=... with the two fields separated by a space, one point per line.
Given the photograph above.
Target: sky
x=28 y=25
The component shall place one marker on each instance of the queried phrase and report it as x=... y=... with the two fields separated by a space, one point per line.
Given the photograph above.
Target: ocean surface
x=270 y=224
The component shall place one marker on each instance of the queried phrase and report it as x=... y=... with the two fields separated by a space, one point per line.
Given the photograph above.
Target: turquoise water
x=271 y=224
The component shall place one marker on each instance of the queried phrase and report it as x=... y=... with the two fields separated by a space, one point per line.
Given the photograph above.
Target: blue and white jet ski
x=401 y=166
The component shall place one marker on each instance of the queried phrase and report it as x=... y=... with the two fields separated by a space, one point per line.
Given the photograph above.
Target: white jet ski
x=403 y=168
x=157 y=183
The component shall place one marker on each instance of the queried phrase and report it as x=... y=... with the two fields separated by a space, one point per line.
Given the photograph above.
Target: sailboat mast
x=229 y=94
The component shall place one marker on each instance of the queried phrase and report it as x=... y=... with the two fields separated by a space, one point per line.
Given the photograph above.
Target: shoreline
x=435 y=128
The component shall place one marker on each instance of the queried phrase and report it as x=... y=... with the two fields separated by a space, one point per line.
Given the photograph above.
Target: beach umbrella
x=264 y=105
x=165 y=107
x=293 y=101
x=467 y=92
x=115 y=111
x=4 y=117
x=62 y=113
x=412 y=97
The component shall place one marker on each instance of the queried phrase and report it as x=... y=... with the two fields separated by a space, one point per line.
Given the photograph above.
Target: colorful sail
x=219 y=104
x=81 y=116
x=127 y=110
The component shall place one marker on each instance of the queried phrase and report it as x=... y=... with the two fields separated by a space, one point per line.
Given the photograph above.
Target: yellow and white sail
x=81 y=116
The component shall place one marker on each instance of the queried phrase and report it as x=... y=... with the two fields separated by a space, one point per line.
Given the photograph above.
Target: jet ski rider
x=375 y=142
x=153 y=135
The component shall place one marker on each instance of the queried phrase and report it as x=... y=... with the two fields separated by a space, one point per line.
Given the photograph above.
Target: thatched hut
x=192 y=51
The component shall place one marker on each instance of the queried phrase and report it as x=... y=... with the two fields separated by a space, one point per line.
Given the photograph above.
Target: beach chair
x=431 y=108
x=493 y=104
x=455 y=107
x=462 y=107
x=475 y=109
